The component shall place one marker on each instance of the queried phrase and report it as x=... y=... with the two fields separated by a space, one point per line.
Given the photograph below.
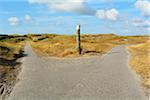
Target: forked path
x=93 y=78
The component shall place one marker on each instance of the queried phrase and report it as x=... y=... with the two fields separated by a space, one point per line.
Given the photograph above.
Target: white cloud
x=100 y=14
x=148 y=29
x=147 y=22
x=28 y=18
x=137 y=22
x=141 y=23
x=75 y=6
x=13 y=21
x=111 y=14
x=143 y=6
x=78 y=7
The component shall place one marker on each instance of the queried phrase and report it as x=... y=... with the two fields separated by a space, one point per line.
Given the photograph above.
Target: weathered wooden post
x=78 y=39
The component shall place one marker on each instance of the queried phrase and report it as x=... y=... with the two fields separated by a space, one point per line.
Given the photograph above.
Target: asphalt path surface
x=106 y=77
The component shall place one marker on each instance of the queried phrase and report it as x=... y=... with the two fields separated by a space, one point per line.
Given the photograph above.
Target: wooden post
x=78 y=39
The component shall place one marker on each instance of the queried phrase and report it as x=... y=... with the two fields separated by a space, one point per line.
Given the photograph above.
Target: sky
x=122 y=17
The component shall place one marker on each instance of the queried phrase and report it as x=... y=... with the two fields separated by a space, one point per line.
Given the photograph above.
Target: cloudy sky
x=123 y=17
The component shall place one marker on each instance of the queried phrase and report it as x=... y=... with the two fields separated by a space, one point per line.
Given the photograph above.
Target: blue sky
x=123 y=17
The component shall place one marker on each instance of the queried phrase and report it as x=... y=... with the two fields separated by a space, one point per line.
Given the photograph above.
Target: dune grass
x=11 y=48
x=65 y=46
x=137 y=39
x=140 y=61
x=8 y=50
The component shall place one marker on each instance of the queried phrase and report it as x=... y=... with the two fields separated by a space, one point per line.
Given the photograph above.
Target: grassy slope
x=64 y=46
x=10 y=50
x=140 y=61
x=11 y=46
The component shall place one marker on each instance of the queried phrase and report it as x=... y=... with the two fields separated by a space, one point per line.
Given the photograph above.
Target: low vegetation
x=11 y=48
x=133 y=40
x=140 y=61
x=65 y=46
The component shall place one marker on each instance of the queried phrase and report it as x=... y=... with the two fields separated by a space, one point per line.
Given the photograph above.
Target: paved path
x=93 y=78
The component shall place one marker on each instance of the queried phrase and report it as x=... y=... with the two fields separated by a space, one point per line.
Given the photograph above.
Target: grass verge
x=11 y=49
x=140 y=62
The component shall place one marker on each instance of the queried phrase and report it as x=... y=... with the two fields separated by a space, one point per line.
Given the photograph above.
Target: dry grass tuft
x=137 y=39
x=11 y=48
x=140 y=61
x=8 y=50
x=65 y=46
